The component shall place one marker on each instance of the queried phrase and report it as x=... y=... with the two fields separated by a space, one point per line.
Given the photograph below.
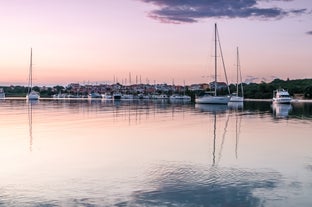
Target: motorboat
x=94 y=95
x=180 y=97
x=107 y=96
x=117 y=96
x=281 y=96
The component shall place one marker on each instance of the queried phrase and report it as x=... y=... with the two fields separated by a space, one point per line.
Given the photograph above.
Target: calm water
x=82 y=153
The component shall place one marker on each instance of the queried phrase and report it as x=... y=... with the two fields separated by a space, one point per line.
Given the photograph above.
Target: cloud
x=309 y=32
x=190 y=11
x=192 y=186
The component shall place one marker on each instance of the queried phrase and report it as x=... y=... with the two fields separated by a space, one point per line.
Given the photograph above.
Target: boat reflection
x=213 y=108
x=236 y=105
x=281 y=110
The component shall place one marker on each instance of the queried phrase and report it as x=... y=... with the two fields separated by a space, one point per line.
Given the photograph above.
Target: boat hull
x=33 y=95
x=237 y=99
x=212 y=100
x=282 y=100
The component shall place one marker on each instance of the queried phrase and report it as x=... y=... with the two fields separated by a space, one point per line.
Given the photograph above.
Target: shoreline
x=245 y=100
x=270 y=100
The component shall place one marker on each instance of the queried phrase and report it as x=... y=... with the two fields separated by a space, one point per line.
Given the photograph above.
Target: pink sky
x=97 y=40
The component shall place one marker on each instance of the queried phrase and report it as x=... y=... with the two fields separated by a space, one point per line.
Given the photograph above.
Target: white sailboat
x=235 y=96
x=31 y=94
x=214 y=98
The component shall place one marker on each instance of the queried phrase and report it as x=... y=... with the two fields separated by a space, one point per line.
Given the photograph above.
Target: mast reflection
x=215 y=109
x=30 y=104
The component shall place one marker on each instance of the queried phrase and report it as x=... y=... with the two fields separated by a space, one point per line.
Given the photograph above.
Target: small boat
x=117 y=96
x=212 y=97
x=94 y=95
x=179 y=97
x=281 y=96
x=31 y=95
x=107 y=96
x=159 y=96
x=2 y=94
x=235 y=96
x=127 y=96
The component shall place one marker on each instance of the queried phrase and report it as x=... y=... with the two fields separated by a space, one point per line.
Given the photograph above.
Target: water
x=144 y=153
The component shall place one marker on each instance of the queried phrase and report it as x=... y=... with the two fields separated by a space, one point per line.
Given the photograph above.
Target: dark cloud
x=309 y=32
x=189 y=11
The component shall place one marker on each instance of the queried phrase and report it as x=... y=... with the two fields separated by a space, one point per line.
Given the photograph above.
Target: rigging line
x=223 y=138
x=227 y=82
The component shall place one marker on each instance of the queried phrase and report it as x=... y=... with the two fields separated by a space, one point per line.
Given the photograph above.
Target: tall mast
x=215 y=59
x=240 y=76
x=30 y=72
x=237 y=62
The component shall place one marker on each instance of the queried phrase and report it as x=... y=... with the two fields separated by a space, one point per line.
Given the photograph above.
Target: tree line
x=300 y=88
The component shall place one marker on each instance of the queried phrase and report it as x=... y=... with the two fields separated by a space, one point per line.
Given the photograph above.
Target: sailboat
x=213 y=98
x=235 y=96
x=31 y=94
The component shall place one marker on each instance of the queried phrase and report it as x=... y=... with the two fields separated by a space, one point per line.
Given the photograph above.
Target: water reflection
x=175 y=155
x=187 y=185
x=30 y=104
x=281 y=110
x=236 y=105
x=213 y=108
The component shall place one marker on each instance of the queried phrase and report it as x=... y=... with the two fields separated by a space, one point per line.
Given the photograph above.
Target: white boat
x=107 y=96
x=159 y=96
x=214 y=98
x=235 y=96
x=94 y=95
x=127 y=96
x=281 y=96
x=31 y=94
x=210 y=99
x=2 y=94
x=179 y=97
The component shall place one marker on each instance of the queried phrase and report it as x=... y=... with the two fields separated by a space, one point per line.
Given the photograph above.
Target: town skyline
x=102 y=41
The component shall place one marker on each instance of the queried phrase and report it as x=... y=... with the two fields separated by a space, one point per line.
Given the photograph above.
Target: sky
x=153 y=41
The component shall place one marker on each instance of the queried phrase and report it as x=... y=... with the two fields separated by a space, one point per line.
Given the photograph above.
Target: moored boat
x=235 y=96
x=31 y=95
x=180 y=97
x=281 y=96
x=214 y=98
x=94 y=95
